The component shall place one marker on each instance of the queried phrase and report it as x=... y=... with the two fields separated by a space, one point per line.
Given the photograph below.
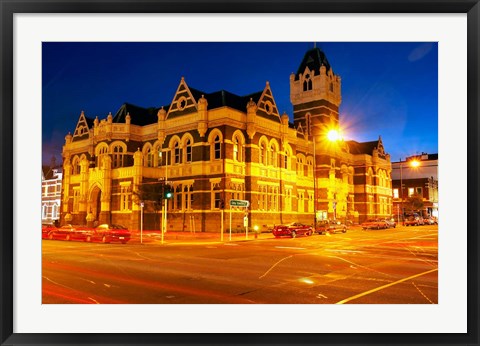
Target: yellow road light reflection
x=307 y=281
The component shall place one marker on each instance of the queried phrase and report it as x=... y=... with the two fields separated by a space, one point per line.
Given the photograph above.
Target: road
x=394 y=266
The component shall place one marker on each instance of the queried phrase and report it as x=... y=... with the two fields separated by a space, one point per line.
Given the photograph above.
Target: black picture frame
x=10 y=7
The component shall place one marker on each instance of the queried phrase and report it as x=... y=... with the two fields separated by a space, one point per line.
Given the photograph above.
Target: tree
x=414 y=202
x=151 y=194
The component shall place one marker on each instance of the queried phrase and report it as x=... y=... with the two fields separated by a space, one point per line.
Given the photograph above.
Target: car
x=430 y=220
x=390 y=223
x=292 y=230
x=374 y=224
x=107 y=233
x=330 y=226
x=414 y=221
x=46 y=229
x=69 y=232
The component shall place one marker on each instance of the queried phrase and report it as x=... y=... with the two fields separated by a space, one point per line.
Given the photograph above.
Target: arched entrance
x=95 y=202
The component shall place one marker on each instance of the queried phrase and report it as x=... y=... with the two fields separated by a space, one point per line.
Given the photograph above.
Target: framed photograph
x=239 y=172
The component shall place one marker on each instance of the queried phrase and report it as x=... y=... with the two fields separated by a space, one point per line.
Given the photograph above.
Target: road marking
x=419 y=290
x=290 y=247
x=321 y=296
x=93 y=300
x=385 y=286
x=230 y=244
x=335 y=250
x=268 y=271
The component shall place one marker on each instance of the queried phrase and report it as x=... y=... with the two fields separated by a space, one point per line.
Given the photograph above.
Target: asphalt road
x=394 y=266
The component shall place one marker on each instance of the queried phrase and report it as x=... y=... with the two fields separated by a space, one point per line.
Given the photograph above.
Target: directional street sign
x=239 y=203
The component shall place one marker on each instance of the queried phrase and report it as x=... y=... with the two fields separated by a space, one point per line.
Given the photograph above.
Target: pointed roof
x=363 y=148
x=84 y=124
x=313 y=59
x=138 y=115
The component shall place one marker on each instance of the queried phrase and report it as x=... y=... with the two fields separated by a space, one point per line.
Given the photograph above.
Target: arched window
x=262 y=153
x=238 y=154
x=76 y=166
x=273 y=155
x=102 y=150
x=217 y=148
x=117 y=156
x=300 y=168
x=177 y=153
x=307 y=82
x=188 y=150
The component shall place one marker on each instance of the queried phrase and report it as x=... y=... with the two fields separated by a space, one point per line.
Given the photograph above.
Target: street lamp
x=334 y=136
x=413 y=164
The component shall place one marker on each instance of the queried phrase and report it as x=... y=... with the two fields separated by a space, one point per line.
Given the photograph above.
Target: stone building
x=51 y=193
x=214 y=147
x=420 y=179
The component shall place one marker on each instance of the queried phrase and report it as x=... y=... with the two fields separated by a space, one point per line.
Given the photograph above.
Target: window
x=55 y=211
x=117 y=156
x=307 y=82
x=411 y=191
x=178 y=197
x=124 y=197
x=236 y=152
x=76 y=199
x=273 y=155
x=188 y=150
x=262 y=153
x=262 y=197
x=331 y=87
x=301 y=202
x=217 y=148
x=419 y=191
x=177 y=153
x=395 y=193
x=216 y=195
x=308 y=124
x=100 y=155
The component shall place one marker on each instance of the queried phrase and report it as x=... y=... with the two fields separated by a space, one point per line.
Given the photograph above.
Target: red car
x=46 y=229
x=374 y=224
x=292 y=230
x=110 y=233
x=414 y=221
x=69 y=232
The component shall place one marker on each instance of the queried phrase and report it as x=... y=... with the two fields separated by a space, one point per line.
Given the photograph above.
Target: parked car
x=110 y=233
x=374 y=224
x=414 y=221
x=292 y=230
x=390 y=223
x=46 y=229
x=69 y=232
x=330 y=226
x=430 y=220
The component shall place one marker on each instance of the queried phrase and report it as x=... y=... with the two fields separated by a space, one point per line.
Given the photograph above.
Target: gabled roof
x=84 y=124
x=138 y=115
x=223 y=98
x=362 y=148
x=313 y=59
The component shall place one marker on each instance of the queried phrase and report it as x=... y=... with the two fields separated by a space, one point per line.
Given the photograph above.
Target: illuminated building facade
x=51 y=193
x=214 y=147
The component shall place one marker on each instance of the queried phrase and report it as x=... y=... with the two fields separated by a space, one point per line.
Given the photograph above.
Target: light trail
x=385 y=286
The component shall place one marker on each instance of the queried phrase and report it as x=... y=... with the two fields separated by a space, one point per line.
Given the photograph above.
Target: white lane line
x=290 y=247
x=273 y=266
x=424 y=296
x=359 y=265
x=93 y=300
x=230 y=244
x=385 y=286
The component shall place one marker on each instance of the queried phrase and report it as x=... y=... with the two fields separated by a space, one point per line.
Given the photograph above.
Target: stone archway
x=95 y=203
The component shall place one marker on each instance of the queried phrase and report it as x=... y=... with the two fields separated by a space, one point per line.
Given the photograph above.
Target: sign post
x=243 y=204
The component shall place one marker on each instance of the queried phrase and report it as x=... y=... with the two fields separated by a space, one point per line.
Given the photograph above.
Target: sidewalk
x=170 y=237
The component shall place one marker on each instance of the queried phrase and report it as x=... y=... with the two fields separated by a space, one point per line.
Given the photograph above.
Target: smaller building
x=51 y=194
x=418 y=174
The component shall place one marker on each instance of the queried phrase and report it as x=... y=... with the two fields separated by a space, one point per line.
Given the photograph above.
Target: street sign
x=239 y=203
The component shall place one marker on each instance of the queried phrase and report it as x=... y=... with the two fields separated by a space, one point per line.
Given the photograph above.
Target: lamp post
x=334 y=136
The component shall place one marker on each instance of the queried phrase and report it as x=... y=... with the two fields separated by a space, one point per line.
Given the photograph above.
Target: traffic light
x=167 y=192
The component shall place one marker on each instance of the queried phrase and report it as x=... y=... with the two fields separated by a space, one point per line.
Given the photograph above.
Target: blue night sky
x=388 y=89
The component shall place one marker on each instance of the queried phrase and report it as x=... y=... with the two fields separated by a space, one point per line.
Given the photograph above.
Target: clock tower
x=315 y=92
